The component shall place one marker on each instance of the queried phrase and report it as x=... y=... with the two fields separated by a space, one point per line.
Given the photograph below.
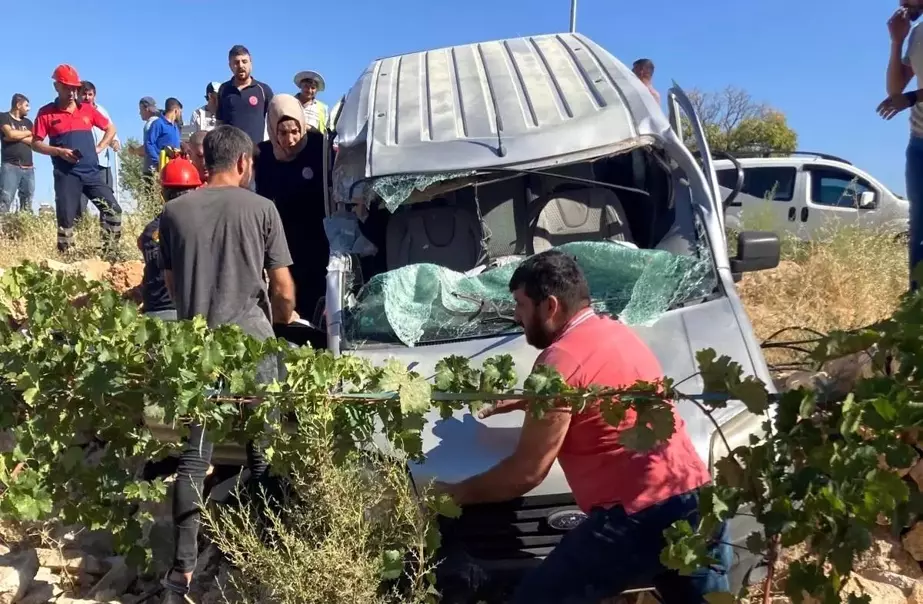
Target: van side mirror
x=756 y=251
x=867 y=200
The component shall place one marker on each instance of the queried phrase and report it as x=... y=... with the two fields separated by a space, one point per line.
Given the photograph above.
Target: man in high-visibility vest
x=316 y=112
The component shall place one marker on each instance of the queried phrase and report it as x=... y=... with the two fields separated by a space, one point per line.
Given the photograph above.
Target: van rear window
x=765 y=183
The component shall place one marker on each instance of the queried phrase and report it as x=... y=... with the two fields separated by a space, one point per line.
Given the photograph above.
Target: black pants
x=188 y=495
x=105 y=174
x=68 y=188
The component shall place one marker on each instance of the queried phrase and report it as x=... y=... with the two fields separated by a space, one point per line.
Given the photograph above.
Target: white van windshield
x=443 y=267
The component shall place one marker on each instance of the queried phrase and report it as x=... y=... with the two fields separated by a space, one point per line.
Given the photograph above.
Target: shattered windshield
x=426 y=303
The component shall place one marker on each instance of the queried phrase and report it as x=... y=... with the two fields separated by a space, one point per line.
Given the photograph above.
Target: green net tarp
x=427 y=303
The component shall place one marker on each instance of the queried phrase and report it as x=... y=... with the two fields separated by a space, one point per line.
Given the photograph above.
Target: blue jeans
x=914 y=177
x=163 y=315
x=16 y=179
x=612 y=551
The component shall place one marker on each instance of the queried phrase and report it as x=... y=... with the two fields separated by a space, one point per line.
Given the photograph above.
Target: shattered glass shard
x=395 y=190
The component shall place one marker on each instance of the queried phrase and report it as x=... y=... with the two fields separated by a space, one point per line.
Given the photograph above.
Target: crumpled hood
x=462 y=446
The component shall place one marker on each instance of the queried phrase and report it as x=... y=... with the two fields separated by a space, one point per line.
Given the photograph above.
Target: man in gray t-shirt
x=217 y=241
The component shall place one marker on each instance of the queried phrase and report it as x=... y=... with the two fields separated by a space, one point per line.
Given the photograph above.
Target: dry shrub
x=846 y=278
x=27 y=236
x=346 y=525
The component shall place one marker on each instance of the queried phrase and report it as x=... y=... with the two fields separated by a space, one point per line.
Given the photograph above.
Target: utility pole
x=573 y=16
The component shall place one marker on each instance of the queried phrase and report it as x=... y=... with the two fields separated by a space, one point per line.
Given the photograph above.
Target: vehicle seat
x=585 y=214
x=446 y=235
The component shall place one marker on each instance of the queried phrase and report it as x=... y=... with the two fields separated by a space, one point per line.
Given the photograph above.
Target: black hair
x=172 y=103
x=171 y=193
x=552 y=273
x=17 y=99
x=223 y=146
x=87 y=85
x=238 y=50
x=644 y=63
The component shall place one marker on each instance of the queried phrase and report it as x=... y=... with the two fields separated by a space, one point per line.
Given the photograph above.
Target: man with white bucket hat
x=316 y=112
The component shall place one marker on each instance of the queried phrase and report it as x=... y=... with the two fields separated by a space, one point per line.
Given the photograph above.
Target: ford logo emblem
x=565 y=520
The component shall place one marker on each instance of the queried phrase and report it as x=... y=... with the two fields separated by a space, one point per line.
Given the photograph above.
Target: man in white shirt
x=203 y=118
x=106 y=159
x=901 y=69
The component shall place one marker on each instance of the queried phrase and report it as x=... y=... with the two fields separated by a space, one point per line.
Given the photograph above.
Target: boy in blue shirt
x=164 y=133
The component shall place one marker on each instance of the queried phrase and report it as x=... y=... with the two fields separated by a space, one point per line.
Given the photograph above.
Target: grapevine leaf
x=808 y=404
x=752 y=393
x=444 y=505
x=730 y=472
x=638 y=438
x=29 y=394
x=885 y=409
x=392 y=564
x=415 y=394
x=756 y=543
x=613 y=411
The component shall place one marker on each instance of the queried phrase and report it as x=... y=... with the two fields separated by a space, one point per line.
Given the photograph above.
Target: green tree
x=735 y=122
x=145 y=196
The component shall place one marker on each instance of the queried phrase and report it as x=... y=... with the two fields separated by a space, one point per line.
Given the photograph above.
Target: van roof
x=795 y=158
x=549 y=96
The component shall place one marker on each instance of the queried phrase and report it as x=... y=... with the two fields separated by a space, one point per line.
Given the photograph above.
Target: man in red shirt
x=629 y=497
x=68 y=125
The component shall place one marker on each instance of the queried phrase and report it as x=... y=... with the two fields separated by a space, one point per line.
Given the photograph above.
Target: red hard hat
x=67 y=75
x=180 y=172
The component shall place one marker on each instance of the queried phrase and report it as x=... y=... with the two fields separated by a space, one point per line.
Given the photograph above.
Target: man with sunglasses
x=902 y=66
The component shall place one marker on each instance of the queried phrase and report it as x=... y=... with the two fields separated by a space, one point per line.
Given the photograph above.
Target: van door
x=833 y=200
x=678 y=97
x=766 y=201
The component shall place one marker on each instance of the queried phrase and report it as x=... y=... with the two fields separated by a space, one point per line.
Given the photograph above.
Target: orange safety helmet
x=181 y=173
x=67 y=75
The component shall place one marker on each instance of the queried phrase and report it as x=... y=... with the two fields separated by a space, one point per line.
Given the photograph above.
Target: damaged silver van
x=452 y=165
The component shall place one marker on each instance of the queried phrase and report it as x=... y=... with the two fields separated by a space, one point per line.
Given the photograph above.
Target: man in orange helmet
x=178 y=176
x=68 y=125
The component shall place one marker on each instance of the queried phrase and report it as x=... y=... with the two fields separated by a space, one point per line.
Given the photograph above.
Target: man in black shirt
x=244 y=101
x=179 y=176
x=17 y=173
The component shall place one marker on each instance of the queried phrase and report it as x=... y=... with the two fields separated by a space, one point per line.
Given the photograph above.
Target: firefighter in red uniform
x=178 y=176
x=68 y=125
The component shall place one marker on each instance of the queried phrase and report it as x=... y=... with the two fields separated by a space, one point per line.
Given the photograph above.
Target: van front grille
x=517 y=529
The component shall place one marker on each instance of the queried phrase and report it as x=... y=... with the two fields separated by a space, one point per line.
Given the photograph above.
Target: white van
x=807 y=194
x=464 y=160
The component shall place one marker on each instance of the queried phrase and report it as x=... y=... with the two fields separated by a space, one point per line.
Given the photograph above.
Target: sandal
x=175 y=593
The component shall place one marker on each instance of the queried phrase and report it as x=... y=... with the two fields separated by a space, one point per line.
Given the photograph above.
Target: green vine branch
x=73 y=376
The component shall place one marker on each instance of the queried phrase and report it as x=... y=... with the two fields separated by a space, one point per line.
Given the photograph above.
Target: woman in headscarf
x=289 y=171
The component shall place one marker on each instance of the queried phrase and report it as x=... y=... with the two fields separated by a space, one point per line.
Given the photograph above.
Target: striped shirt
x=914 y=58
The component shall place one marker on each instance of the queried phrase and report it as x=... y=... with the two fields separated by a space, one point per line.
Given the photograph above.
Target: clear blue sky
x=821 y=63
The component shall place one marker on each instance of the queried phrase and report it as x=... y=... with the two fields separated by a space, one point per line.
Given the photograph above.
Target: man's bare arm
x=899 y=73
x=14 y=136
x=108 y=136
x=525 y=469
x=46 y=149
x=282 y=295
